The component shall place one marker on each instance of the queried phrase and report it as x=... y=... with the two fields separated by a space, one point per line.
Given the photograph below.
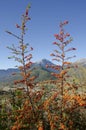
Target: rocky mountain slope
x=43 y=73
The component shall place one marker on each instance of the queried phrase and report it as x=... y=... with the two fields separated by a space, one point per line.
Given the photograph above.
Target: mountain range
x=38 y=69
x=43 y=73
x=81 y=62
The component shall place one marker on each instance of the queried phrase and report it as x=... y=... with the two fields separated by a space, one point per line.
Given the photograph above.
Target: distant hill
x=39 y=69
x=79 y=73
x=81 y=62
x=6 y=75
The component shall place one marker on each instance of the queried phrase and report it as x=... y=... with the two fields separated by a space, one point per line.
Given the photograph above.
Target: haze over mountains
x=43 y=73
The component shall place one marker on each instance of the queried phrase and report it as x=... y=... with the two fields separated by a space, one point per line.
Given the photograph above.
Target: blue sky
x=45 y=18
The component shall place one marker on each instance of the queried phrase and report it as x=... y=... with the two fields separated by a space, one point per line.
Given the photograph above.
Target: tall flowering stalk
x=29 y=112
x=63 y=39
x=23 y=55
x=64 y=86
x=65 y=99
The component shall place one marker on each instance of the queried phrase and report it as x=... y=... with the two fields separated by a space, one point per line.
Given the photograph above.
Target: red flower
x=61 y=39
x=74 y=48
x=65 y=22
x=56 y=35
x=52 y=54
x=17 y=26
x=28 y=18
x=70 y=49
x=61 y=32
x=54 y=42
x=61 y=24
x=67 y=34
x=26 y=11
x=31 y=48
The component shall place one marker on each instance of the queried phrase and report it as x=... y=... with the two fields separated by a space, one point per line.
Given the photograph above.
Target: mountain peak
x=43 y=62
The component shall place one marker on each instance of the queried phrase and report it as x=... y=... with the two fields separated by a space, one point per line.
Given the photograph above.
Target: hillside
x=39 y=69
x=79 y=73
